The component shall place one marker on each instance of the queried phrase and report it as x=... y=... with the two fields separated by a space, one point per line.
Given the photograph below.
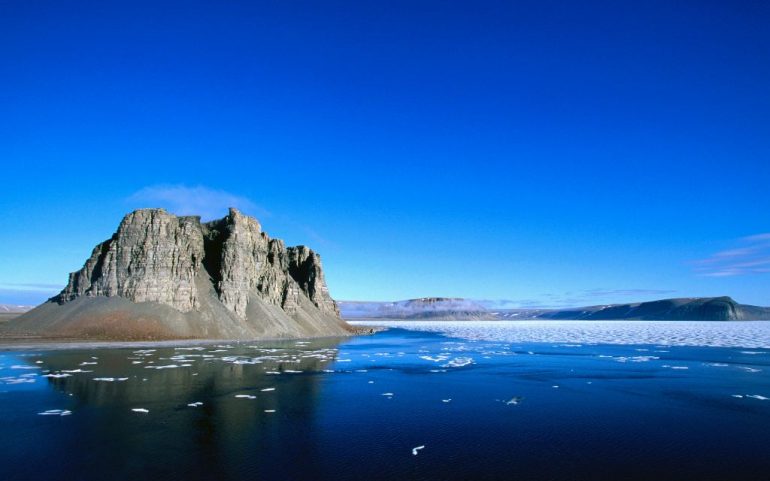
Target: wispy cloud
x=27 y=294
x=580 y=298
x=591 y=293
x=750 y=255
x=199 y=200
x=31 y=287
x=213 y=204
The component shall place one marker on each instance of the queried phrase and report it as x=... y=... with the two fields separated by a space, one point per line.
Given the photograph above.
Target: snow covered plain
x=750 y=334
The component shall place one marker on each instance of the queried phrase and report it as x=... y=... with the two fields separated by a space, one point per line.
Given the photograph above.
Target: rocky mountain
x=432 y=308
x=701 y=308
x=161 y=276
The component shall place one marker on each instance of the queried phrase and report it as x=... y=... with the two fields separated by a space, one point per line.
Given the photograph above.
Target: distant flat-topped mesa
x=433 y=308
x=166 y=277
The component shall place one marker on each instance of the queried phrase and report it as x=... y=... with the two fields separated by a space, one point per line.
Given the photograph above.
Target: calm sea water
x=483 y=408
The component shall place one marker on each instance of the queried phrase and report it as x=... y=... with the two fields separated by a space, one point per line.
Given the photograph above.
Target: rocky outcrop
x=245 y=260
x=184 y=278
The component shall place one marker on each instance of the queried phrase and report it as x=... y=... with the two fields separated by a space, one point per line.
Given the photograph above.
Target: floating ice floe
x=269 y=410
x=436 y=358
x=167 y=366
x=414 y=450
x=757 y=396
x=17 y=380
x=55 y=412
x=749 y=369
x=111 y=379
x=446 y=400
x=56 y=376
x=516 y=400
x=140 y=410
x=387 y=394
x=245 y=396
x=267 y=389
x=633 y=358
x=195 y=404
x=24 y=366
x=459 y=362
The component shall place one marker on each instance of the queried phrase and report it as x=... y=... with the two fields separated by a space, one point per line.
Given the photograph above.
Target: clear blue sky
x=547 y=153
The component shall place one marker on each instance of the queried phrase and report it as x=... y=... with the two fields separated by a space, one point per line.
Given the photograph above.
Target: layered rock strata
x=166 y=276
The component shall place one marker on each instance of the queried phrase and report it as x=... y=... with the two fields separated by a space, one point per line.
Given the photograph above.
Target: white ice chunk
x=757 y=396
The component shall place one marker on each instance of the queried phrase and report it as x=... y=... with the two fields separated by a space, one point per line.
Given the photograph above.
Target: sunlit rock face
x=153 y=257
x=162 y=276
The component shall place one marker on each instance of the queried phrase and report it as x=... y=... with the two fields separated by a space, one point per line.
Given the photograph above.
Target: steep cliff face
x=153 y=257
x=220 y=279
x=245 y=261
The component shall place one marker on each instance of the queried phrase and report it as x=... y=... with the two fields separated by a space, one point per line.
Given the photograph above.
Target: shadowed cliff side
x=165 y=277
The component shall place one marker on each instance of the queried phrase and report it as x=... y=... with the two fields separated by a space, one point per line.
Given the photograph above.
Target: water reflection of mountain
x=225 y=437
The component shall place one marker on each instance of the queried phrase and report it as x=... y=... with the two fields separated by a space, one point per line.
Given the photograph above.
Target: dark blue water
x=516 y=411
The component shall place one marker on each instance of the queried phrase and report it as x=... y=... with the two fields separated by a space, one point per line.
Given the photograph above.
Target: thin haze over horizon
x=545 y=153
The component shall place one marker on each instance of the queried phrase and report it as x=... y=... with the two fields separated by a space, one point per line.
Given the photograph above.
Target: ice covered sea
x=422 y=401
x=669 y=333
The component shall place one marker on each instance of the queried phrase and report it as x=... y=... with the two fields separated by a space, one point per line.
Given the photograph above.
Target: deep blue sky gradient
x=546 y=152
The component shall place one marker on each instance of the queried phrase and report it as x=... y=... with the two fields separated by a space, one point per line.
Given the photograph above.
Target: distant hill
x=697 y=309
x=11 y=311
x=434 y=308
x=13 y=308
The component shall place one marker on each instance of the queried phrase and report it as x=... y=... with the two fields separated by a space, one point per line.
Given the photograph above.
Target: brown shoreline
x=53 y=343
